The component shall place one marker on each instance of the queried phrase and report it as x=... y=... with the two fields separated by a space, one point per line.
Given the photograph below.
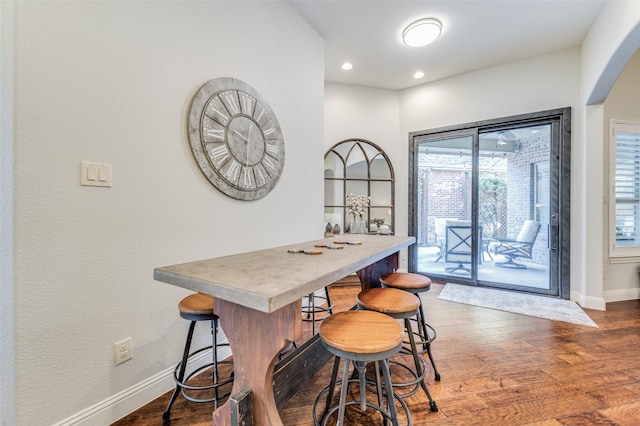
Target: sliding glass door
x=488 y=202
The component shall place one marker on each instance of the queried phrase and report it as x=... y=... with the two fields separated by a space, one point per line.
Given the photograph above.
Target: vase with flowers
x=357 y=205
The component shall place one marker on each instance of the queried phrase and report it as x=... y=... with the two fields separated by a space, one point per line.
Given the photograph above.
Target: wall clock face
x=236 y=139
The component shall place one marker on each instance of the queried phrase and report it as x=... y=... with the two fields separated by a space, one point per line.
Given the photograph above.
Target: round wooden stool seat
x=408 y=281
x=393 y=302
x=197 y=305
x=361 y=332
x=360 y=337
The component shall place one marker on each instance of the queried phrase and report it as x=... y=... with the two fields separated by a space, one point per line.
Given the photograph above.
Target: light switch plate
x=95 y=174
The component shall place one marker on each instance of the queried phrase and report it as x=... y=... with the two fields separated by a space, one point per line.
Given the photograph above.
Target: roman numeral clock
x=236 y=139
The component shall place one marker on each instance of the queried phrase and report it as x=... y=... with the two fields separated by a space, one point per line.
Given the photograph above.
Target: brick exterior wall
x=520 y=193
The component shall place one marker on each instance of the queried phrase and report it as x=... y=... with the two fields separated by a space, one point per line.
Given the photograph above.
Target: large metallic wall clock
x=236 y=139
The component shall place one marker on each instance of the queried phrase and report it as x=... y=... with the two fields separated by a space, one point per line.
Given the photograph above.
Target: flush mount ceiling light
x=422 y=32
x=347 y=66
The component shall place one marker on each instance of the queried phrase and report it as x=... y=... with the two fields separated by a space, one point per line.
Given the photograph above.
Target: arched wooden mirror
x=359 y=167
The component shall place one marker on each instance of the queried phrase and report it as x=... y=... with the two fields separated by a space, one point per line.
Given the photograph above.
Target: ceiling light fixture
x=422 y=32
x=347 y=66
x=418 y=74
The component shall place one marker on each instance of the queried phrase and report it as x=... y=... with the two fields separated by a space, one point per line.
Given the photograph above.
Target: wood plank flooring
x=497 y=368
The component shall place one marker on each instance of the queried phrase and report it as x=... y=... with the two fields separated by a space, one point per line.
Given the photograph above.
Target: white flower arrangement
x=357 y=204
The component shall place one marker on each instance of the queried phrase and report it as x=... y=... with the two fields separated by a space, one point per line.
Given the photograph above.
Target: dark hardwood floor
x=497 y=368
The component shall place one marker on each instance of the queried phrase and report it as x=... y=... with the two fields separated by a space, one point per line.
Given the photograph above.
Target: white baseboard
x=589 y=302
x=608 y=297
x=622 y=295
x=127 y=401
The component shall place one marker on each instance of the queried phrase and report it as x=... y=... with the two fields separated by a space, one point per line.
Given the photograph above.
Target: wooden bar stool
x=198 y=307
x=402 y=305
x=416 y=284
x=360 y=337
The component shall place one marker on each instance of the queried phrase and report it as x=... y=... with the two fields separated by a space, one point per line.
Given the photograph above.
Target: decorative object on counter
x=384 y=230
x=378 y=222
x=357 y=205
x=358 y=227
x=328 y=230
x=236 y=139
x=336 y=229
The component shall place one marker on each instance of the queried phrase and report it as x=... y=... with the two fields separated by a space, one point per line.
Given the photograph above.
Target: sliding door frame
x=560 y=163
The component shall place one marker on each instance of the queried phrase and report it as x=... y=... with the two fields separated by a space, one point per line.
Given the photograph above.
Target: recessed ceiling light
x=418 y=74
x=347 y=66
x=422 y=32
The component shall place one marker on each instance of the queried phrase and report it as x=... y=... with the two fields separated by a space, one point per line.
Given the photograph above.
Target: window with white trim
x=624 y=206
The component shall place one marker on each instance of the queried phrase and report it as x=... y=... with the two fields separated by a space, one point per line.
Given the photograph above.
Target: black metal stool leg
x=422 y=325
x=313 y=313
x=419 y=372
x=214 y=351
x=379 y=390
x=181 y=373
x=343 y=395
x=329 y=302
x=389 y=388
x=312 y=302
x=332 y=385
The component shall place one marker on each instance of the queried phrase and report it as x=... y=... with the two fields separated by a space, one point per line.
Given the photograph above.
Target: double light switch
x=95 y=174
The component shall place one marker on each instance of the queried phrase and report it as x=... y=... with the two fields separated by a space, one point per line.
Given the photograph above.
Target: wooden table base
x=256 y=340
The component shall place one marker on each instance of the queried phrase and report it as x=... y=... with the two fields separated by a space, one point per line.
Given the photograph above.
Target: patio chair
x=440 y=224
x=522 y=246
x=458 y=247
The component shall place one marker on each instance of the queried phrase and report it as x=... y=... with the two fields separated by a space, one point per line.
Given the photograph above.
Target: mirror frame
x=346 y=150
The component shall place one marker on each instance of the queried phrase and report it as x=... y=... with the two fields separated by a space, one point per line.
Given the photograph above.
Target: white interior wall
x=7 y=358
x=533 y=84
x=112 y=82
x=623 y=282
x=611 y=41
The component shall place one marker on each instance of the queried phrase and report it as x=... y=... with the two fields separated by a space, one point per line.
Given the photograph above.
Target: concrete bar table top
x=257 y=296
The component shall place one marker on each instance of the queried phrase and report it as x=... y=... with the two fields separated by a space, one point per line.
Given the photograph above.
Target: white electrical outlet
x=122 y=351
